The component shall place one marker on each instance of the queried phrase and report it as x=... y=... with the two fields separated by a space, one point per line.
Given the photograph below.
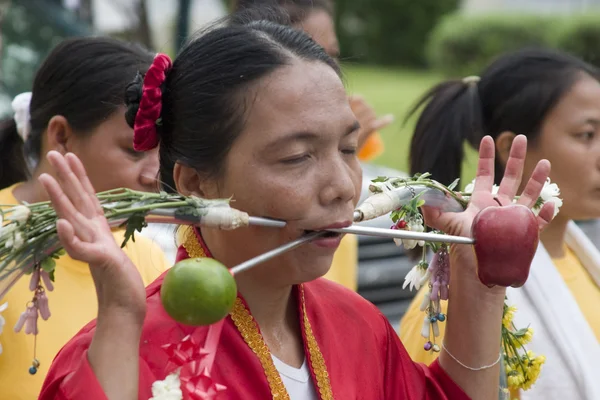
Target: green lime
x=198 y=291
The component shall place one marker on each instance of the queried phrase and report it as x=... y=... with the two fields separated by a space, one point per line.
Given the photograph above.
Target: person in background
x=553 y=99
x=76 y=106
x=259 y=112
x=316 y=18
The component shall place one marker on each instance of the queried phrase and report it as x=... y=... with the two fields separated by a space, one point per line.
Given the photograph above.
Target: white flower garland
x=167 y=389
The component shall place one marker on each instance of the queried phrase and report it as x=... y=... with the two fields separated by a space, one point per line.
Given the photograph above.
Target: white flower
x=414 y=225
x=7 y=229
x=550 y=193
x=2 y=321
x=20 y=106
x=471 y=186
x=549 y=190
x=20 y=214
x=414 y=277
x=169 y=389
x=16 y=241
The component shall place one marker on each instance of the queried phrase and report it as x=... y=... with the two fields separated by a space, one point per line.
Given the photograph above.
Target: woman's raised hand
x=86 y=236
x=482 y=196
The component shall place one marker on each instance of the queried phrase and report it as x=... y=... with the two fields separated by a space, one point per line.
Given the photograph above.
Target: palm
x=86 y=236
x=482 y=197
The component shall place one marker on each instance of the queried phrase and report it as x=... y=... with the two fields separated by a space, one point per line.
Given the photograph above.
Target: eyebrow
x=592 y=121
x=308 y=136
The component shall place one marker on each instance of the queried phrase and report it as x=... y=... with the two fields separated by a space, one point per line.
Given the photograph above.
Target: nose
x=149 y=170
x=339 y=183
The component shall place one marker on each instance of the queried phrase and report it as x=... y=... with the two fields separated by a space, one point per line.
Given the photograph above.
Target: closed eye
x=296 y=159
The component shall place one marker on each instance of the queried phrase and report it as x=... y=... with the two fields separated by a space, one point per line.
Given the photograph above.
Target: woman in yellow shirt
x=76 y=106
x=315 y=17
x=553 y=99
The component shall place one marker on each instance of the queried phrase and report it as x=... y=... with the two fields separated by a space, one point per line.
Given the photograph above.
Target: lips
x=337 y=225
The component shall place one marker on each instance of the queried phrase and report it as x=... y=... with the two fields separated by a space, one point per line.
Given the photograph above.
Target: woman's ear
x=59 y=134
x=503 y=144
x=190 y=182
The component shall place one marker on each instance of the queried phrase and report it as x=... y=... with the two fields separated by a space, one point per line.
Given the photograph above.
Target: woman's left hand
x=482 y=196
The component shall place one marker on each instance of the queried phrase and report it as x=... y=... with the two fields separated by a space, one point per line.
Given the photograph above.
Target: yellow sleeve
x=344 y=268
x=146 y=255
x=410 y=330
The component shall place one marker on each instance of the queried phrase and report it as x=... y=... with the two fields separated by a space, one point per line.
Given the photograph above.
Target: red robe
x=363 y=357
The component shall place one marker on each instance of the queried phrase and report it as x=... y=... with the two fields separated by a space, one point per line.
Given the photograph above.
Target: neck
x=553 y=237
x=275 y=310
x=32 y=191
x=270 y=301
x=271 y=306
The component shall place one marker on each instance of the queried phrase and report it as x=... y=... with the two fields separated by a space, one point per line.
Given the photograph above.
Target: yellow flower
x=516 y=380
x=507 y=318
x=527 y=336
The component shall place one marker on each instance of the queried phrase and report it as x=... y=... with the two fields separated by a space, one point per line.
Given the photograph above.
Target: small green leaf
x=136 y=222
x=380 y=179
x=58 y=254
x=48 y=264
x=454 y=184
x=51 y=275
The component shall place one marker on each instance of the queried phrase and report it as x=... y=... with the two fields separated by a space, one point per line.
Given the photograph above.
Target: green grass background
x=395 y=91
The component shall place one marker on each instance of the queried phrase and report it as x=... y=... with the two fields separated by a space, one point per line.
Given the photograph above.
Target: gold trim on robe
x=248 y=328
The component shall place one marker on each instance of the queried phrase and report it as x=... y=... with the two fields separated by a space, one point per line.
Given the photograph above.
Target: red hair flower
x=148 y=114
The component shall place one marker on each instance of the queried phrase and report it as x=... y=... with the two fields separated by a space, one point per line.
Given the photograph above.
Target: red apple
x=506 y=239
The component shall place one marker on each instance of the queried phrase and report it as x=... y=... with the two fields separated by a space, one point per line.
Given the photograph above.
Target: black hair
x=82 y=79
x=297 y=10
x=515 y=93
x=204 y=100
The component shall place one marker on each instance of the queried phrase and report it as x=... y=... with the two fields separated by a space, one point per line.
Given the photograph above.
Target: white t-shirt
x=164 y=236
x=297 y=381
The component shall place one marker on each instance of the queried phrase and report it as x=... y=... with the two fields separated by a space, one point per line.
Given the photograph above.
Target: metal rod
x=268 y=222
x=246 y=265
x=402 y=234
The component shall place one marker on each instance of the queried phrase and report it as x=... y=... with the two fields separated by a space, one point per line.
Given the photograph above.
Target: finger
x=355 y=99
x=514 y=169
x=532 y=191
x=545 y=215
x=63 y=206
x=435 y=218
x=67 y=237
x=382 y=122
x=79 y=171
x=60 y=202
x=70 y=184
x=484 y=179
x=364 y=114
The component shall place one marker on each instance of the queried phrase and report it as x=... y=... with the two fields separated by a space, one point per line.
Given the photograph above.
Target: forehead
x=580 y=103
x=319 y=25
x=305 y=96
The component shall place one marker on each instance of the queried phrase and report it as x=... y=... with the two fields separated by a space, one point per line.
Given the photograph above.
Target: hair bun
x=133 y=96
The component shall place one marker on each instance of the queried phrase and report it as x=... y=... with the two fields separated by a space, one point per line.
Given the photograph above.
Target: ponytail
x=451 y=115
x=13 y=168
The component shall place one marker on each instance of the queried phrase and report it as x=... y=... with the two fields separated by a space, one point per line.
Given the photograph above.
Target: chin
x=314 y=271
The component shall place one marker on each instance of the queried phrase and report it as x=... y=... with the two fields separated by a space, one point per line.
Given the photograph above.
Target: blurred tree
x=182 y=26
x=30 y=29
x=388 y=31
x=137 y=13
